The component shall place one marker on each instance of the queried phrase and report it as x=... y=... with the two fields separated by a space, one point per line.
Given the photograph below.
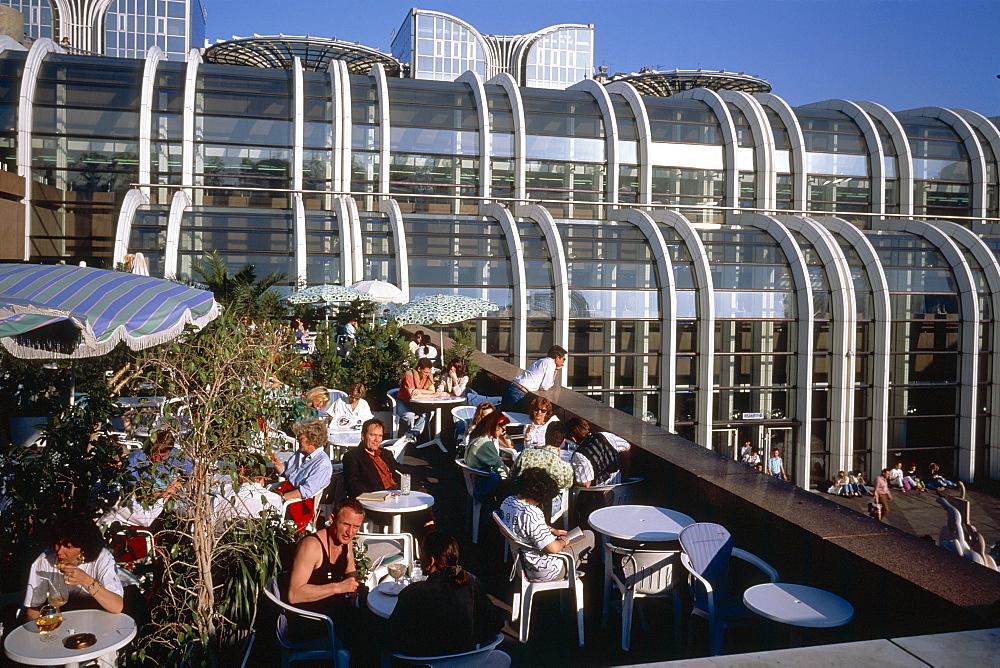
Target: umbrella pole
x=72 y=384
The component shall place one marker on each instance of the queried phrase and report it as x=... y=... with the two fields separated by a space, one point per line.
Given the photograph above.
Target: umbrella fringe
x=120 y=334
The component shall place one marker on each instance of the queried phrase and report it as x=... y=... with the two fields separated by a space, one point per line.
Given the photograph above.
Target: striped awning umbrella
x=66 y=312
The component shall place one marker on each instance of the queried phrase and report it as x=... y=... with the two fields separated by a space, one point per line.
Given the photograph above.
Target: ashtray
x=79 y=641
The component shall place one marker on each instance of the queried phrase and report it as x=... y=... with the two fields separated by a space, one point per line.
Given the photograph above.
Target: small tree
x=242 y=293
x=212 y=574
x=462 y=347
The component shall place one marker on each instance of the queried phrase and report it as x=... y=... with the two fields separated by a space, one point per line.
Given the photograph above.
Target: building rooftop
x=670 y=82
x=279 y=51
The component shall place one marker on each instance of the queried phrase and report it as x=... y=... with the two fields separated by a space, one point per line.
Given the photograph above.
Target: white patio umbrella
x=382 y=292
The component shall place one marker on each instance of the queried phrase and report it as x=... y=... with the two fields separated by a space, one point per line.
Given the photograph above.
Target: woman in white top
x=540 y=414
x=355 y=410
x=79 y=559
x=425 y=349
x=456 y=380
x=526 y=521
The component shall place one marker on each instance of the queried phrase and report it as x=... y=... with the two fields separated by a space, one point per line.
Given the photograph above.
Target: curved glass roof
x=664 y=84
x=278 y=52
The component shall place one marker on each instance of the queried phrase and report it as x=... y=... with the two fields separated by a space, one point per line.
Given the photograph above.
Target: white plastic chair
x=393 y=407
x=397 y=446
x=325 y=648
x=488 y=656
x=473 y=507
x=643 y=574
x=621 y=493
x=706 y=550
x=311 y=526
x=521 y=606
x=462 y=416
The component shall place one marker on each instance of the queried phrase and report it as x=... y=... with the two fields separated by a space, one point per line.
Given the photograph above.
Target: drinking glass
x=49 y=619
x=404 y=483
x=397 y=571
x=58 y=591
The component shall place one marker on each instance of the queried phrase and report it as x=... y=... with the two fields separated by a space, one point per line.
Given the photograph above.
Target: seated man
x=308 y=471
x=323 y=578
x=369 y=468
x=251 y=499
x=595 y=459
x=896 y=476
x=163 y=463
x=416 y=384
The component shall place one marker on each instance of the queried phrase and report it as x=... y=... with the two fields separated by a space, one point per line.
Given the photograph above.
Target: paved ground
x=553 y=639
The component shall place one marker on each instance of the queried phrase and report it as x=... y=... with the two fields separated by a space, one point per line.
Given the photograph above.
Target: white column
x=382 y=85
x=153 y=58
x=180 y=203
x=298 y=122
x=603 y=100
x=517 y=111
x=134 y=199
x=390 y=208
x=345 y=223
x=300 y=241
x=485 y=135
x=904 y=156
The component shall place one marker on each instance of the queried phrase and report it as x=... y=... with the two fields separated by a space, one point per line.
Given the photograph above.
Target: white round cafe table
x=436 y=404
x=639 y=523
x=798 y=605
x=381 y=604
x=338 y=439
x=398 y=504
x=24 y=644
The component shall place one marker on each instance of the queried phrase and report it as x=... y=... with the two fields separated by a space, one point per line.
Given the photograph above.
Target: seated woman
x=522 y=513
x=317 y=399
x=847 y=488
x=455 y=381
x=913 y=480
x=540 y=414
x=935 y=480
x=482 y=410
x=483 y=453
x=450 y=598
x=86 y=567
x=355 y=410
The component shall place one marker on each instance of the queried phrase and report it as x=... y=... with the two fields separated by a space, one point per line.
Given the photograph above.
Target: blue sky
x=900 y=53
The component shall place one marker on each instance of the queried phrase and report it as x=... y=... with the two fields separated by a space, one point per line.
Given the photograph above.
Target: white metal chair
x=385 y=549
x=706 y=550
x=488 y=657
x=642 y=574
x=325 y=648
x=473 y=507
x=521 y=606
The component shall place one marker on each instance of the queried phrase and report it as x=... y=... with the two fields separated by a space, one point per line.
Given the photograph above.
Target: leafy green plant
x=243 y=294
x=462 y=347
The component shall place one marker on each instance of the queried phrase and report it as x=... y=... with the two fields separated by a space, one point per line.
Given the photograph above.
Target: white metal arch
x=485 y=135
x=340 y=147
x=348 y=225
x=301 y=243
x=187 y=143
x=718 y=107
x=638 y=107
x=390 y=208
x=384 y=131
x=879 y=409
x=704 y=291
x=298 y=121
x=668 y=314
x=843 y=324
x=179 y=204
x=560 y=272
x=25 y=117
x=904 y=156
x=519 y=329
x=991 y=135
x=969 y=346
x=600 y=95
x=510 y=87
x=876 y=156
x=763 y=141
x=154 y=56
x=973 y=244
x=797 y=146
x=134 y=199
x=976 y=158
x=804 y=334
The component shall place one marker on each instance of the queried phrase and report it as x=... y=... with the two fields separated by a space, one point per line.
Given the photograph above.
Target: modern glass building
x=441 y=47
x=821 y=278
x=122 y=28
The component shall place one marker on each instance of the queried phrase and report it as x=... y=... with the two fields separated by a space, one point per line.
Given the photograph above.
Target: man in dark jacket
x=369 y=468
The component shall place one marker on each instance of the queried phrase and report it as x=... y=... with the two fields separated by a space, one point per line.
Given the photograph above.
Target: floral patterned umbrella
x=442 y=310
x=325 y=294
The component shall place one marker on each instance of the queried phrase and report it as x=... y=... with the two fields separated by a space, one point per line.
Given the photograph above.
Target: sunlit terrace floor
x=553 y=635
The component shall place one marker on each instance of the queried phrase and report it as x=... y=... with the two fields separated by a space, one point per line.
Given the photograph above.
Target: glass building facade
x=122 y=28
x=821 y=279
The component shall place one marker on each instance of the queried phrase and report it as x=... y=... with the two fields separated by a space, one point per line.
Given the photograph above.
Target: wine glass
x=397 y=571
x=49 y=619
x=58 y=592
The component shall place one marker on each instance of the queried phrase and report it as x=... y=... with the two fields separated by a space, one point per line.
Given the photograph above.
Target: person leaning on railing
x=539 y=376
